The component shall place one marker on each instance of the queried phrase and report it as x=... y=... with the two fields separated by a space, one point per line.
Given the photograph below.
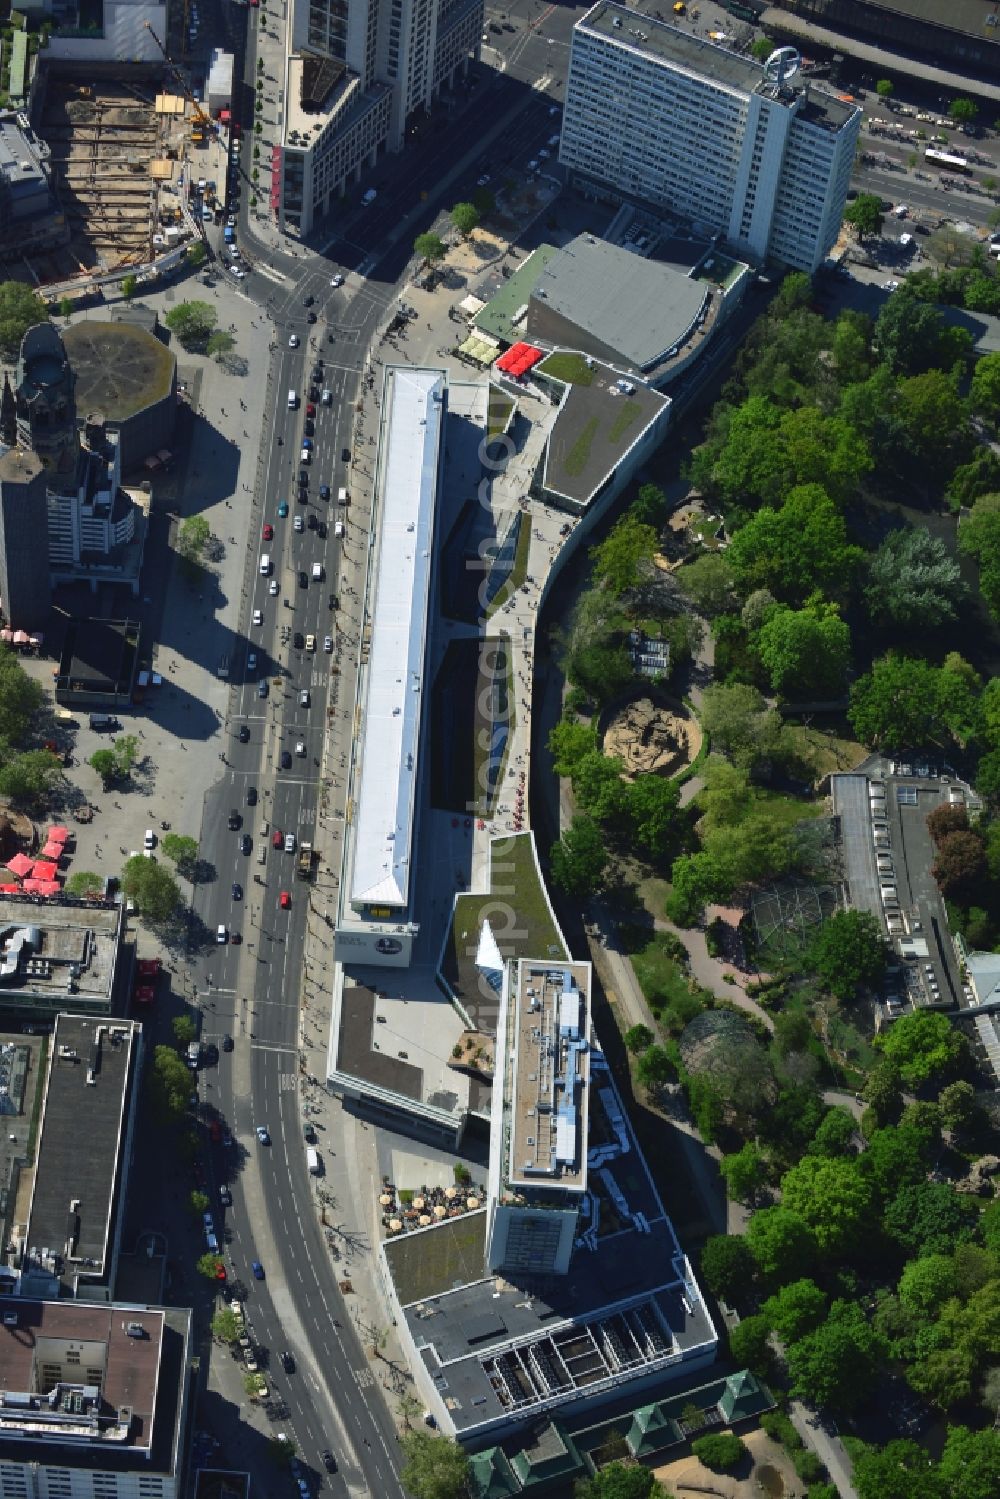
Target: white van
x=341 y=496
x=338 y=530
x=317 y=572
x=293 y=399
x=265 y=564
x=313 y=1162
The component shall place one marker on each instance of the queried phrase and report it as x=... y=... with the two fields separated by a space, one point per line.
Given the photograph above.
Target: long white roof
x=386 y=798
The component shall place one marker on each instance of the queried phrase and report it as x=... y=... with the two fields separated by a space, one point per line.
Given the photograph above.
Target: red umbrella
x=20 y=865
x=53 y=851
x=44 y=870
x=47 y=887
x=10 y=889
x=57 y=835
x=33 y=887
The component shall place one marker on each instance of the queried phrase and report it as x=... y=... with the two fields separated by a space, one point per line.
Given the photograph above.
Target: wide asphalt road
x=252 y=989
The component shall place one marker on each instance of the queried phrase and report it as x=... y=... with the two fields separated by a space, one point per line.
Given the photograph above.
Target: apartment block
x=743 y=150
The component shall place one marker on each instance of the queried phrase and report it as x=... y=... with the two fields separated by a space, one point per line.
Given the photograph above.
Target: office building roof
x=506 y=309
x=597 y=423
x=118 y=1408
x=77 y=1175
x=56 y=953
x=499 y=1348
x=705 y=60
x=105 y=1397
x=413 y=408
x=637 y=308
x=549 y=1075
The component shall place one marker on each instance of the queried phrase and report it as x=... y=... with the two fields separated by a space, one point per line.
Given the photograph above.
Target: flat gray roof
x=412 y=409
x=79 y=1150
x=593 y=430
x=549 y=1075
x=698 y=56
x=498 y=1347
x=78 y=941
x=634 y=306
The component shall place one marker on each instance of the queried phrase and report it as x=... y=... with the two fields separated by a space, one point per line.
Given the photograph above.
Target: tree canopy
x=465 y=217
x=580 y=857
x=924 y=1045
x=806 y=652
x=430 y=247
x=795 y=550
x=193 y=323
x=20 y=309
x=906 y=703
x=153 y=889
x=865 y=215
x=913 y=583
x=434 y=1466
x=621 y=558
x=847 y=951
x=832 y=1197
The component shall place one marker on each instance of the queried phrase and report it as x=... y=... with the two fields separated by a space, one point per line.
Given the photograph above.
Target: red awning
x=57 y=834
x=53 y=851
x=518 y=359
x=44 y=870
x=20 y=865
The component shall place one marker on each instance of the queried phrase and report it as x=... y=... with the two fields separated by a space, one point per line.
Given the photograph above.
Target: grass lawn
x=626 y=415
x=661 y=977
x=571 y=368
x=496 y=651
x=652 y=891
x=500 y=407
x=518 y=571
x=789 y=810
x=516 y=909
x=578 y=457
x=826 y=750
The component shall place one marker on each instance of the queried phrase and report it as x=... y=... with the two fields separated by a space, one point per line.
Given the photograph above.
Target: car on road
x=329 y=1461
x=321 y=529
x=345 y=455
x=484 y=180
x=299 y=642
x=284 y=900
x=262 y=1135
x=308 y=301
x=246 y=842
x=237 y=890
x=221 y=934
x=244 y=734
x=268 y=531
x=277 y=838
x=310 y=410
x=148 y=841
x=225 y=1197
x=324 y=491
x=304 y=695
x=252 y=661
x=272 y=588
x=283 y=509
x=220 y=1272
x=304 y=478
x=310 y=317
x=303 y=580
x=298 y=524
x=289 y=843
x=300 y=749
x=307 y=443
x=258 y=616
x=255 y=1265
x=312 y=521
x=288 y=1362
x=227 y=1042
x=310 y=646
x=337 y=280
x=328 y=644
x=235 y=820
x=262 y=688
x=286 y=760
x=293 y=340
x=251 y=796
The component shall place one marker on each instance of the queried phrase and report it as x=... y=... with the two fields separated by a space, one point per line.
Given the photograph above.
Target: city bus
x=946 y=161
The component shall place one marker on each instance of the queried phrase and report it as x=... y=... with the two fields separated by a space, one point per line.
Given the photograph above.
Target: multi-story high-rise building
x=748 y=151
x=359 y=70
x=63 y=514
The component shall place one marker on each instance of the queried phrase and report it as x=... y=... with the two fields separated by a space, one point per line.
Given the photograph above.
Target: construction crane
x=179 y=78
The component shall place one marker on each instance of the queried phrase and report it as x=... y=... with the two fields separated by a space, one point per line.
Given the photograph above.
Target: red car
x=277 y=838
x=149 y=968
x=145 y=994
x=220 y=1271
x=284 y=900
x=268 y=531
x=310 y=409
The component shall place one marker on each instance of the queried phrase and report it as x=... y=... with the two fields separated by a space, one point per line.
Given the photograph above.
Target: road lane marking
x=268 y=1046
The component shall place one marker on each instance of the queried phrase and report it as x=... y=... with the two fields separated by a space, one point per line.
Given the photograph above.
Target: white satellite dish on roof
x=782 y=64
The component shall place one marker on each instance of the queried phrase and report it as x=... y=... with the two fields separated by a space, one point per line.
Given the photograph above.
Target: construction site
x=116 y=154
